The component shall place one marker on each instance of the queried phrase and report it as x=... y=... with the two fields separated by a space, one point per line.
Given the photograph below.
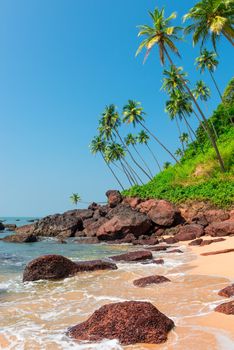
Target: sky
x=61 y=63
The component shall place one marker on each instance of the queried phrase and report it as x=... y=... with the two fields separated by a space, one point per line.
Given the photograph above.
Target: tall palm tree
x=208 y=60
x=109 y=125
x=98 y=145
x=143 y=139
x=179 y=153
x=132 y=140
x=133 y=113
x=184 y=138
x=75 y=198
x=166 y=165
x=161 y=34
x=211 y=19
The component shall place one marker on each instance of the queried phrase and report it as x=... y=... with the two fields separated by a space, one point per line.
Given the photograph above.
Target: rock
x=158 y=261
x=226 y=308
x=189 y=232
x=210 y=241
x=196 y=242
x=21 y=238
x=145 y=281
x=10 y=227
x=132 y=201
x=25 y=229
x=129 y=238
x=219 y=252
x=171 y=240
x=227 y=292
x=49 y=267
x=83 y=214
x=200 y=219
x=87 y=240
x=174 y=251
x=130 y=322
x=55 y=267
x=219 y=229
x=147 y=241
x=114 y=198
x=163 y=213
x=217 y=215
x=145 y=206
x=159 y=232
x=133 y=256
x=2 y=227
x=159 y=248
x=92 y=229
x=124 y=221
x=88 y=222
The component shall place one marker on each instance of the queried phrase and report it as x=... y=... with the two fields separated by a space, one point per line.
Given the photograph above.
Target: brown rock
x=147 y=241
x=174 y=251
x=87 y=240
x=124 y=221
x=210 y=241
x=163 y=213
x=159 y=248
x=145 y=281
x=219 y=252
x=25 y=229
x=21 y=238
x=130 y=322
x=158 y=261
x=227 y=292
x=10 y=227
x=189 y=232
x=92 y=229
x=217 y=215
x=133 y=256
x=171 y=240
x=132 y=201
x=196 y=242
x=226 y=308
x=145 y=206
x=93 y=265
x=114 y=198
x=219 y=229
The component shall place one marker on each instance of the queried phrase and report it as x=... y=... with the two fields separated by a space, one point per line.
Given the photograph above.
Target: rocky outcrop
x=145 y=281
x=91 y=228
x=133 y=256
x=26 y=229
x=163 y=213
x=227 y=292
x=133 y=202
x=219 y=229
x=114 y=198
x=21 y=238
x=123 y=222
x=189 y=232
x=55 y=267
x=130 y=322
x=216 y=215
x=226 y=308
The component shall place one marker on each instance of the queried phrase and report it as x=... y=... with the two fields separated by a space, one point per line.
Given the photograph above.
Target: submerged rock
x=21 y=238
x=130 y=322
x=226 y=308
x=227 y=291
x=155 y=279
x=133 y=256
x=54 y=267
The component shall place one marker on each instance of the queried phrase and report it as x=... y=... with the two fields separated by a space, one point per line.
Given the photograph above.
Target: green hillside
x=198 y=176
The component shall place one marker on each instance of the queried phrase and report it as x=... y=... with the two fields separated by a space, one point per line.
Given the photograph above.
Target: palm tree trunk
x=209 y=132
x=113 y=173
x=133 y=174
x=228 y=38
x=178 y=127
x=159 y=142
x=128 y=175
x=130 y=154
x=156 y=160
x=189 y=129
x=216 y=85
x=146 y=165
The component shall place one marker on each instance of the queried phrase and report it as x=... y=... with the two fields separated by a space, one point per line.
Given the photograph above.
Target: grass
x=198 y=176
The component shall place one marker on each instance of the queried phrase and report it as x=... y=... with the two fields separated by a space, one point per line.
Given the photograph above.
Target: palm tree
x=133 y=113
x=109 y=125
x=184 y=138
x=210 y=19
x=161 y=34
x=75 y=198
x=166 y=165
x=98 y=145
x=179 y=153
x=132 y=140
x=143 y=139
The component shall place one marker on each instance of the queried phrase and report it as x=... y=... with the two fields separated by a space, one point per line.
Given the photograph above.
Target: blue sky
x=61 y=62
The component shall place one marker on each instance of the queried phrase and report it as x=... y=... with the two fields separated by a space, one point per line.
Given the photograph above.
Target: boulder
x=226 y=308
x=10 y=227
x=145 y=206
x=133 y=202
x=216 y=215
x=174 y=251
x=227 y=292
x=164 y=213
x=210 y=241
x=196 y=242
x=171 y=240
x=159 y=248
x=25 y=229
x=21 y=238
x=189 y=232
x=55 y=267
x=133 y=256
x=130 y=322
x=219 y=229
x=91 y=229
x=114 y=198
x=199 y=219
x=2 y=227
x=124 y=221
x=145 y=281
x=83 y=214
x=146 y=241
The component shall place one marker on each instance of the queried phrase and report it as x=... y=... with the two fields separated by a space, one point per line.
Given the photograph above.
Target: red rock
x=21 y=238
x=227 y=292
x=93 y=265
x=226 y=308
x=159 y=232
x=92 y=229
x=217 y=215
x=219 y=252
x=210 y=241
x=133 y=256
x=163 y=213
x=147 y=241
x=130 y=322
x=189 y=232
x=132 y=201
x=219 y=229
x=174 y=251
x=170 y=240
x=125 y=221
x=145 y=281
x=158 y=261
x=25 y=229
x=196 y=242
x=114 y=198
x=159 y=248
x=144 y=207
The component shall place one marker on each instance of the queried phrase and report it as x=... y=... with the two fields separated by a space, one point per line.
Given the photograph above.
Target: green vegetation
x=75 y=198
